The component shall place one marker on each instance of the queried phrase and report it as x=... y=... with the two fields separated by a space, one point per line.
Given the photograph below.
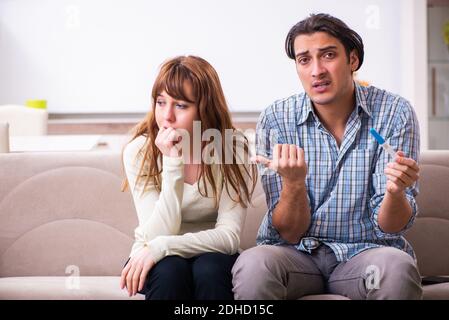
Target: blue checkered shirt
x=346 y=184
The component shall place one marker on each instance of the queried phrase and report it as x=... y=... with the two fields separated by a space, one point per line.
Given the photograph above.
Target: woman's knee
x=212 y=278
x=211 y=265
x=170 y=272
x=169 y=279
x=171 y=268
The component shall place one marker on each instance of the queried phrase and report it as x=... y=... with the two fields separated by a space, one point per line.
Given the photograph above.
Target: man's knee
x=254 y=273
x=254 y=261
x=393 y=276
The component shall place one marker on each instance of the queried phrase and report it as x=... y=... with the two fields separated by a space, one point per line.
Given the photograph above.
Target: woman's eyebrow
x=160 y=95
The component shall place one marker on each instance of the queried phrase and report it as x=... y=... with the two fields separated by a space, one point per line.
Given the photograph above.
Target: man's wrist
x=396 y=195
x=294 y=186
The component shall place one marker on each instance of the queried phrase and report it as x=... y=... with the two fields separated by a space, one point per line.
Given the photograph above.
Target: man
x=338 y=204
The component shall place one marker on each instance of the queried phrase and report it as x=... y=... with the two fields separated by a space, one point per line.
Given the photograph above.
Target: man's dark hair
x=333 y=26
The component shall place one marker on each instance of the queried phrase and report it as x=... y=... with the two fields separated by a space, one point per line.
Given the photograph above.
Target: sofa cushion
x=438 y=291
x=324 y=297
x=63 y=288
x=107 y=288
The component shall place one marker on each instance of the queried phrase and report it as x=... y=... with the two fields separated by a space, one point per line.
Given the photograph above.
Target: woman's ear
x=354 y=60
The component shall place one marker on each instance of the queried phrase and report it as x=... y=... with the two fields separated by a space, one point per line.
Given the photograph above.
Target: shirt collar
x=361 y=94
x=307 y=109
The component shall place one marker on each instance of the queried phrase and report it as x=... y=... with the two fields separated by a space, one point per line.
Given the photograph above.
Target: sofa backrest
x=65 y=211
x=62 y=213
x=254 y=217
x=429 y=235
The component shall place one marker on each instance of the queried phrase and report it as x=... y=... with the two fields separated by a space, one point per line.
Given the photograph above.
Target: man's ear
x=353 y=60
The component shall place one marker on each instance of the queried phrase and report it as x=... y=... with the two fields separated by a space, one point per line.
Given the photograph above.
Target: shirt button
x=318 y=223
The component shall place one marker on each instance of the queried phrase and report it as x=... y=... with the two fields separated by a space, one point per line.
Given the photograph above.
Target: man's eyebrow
x=327 y=48
x=320 y=49
x=302 y=53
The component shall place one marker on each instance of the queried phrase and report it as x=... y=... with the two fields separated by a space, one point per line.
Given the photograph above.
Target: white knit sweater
x=179 y=220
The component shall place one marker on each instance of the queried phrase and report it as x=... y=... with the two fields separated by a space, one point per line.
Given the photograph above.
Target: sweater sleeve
x=159 y=213
x=224 y=238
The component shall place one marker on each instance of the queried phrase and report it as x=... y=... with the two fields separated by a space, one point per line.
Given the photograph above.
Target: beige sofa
x=66 y=229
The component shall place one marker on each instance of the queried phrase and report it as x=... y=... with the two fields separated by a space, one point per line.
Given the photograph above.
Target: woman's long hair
x=213 y=113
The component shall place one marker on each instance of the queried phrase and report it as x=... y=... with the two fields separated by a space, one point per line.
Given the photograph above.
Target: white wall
x=102 y=55
x=413 y=74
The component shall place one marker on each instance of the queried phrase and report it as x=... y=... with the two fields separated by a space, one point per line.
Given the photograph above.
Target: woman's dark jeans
x=204 y=277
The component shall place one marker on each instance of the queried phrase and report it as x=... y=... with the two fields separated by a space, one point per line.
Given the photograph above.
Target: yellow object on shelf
x=38 y=104
x=446 y=33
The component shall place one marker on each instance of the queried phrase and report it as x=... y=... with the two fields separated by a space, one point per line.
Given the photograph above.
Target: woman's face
x=174 y=113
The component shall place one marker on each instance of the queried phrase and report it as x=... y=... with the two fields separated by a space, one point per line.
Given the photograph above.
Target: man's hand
x=167 y=141
x=291 y=216
x=401 y=174
x=135 y=272
x=395 y=211
x=289 y=161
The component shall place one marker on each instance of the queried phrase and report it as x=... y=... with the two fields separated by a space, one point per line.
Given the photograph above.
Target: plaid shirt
x=346 y=184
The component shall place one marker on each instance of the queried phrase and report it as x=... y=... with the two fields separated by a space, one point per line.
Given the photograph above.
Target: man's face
x=323 y=68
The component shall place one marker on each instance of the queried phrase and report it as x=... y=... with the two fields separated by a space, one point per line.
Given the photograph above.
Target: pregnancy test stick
x=382 y=142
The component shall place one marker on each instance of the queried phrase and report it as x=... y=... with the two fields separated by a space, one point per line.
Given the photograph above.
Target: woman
x=191 y=203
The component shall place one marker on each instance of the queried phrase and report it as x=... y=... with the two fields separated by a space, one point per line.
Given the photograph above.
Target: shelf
x=438 y=61
x=439 y=118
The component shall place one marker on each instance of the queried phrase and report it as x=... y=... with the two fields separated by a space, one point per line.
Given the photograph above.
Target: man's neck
x=335 y=116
